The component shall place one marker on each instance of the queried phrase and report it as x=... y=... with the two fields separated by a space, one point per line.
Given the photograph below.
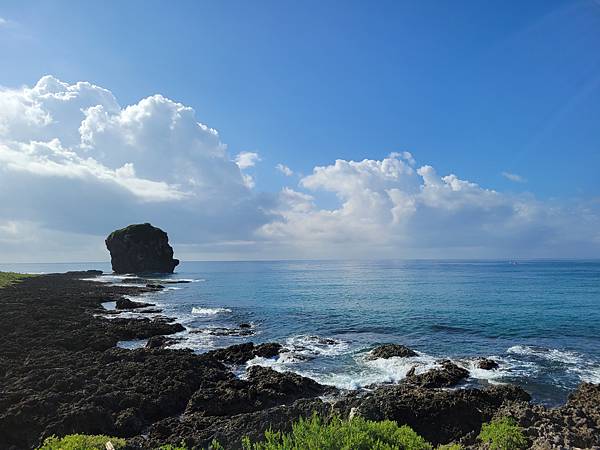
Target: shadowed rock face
x=140 y=248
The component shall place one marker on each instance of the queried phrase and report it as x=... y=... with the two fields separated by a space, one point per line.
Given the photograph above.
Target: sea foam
x=209 y=311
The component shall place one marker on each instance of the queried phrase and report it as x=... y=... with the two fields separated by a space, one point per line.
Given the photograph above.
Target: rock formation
x=386 y=351
x=140 y=248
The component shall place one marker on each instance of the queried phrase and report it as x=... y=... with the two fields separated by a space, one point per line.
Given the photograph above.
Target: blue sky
x=475 y=89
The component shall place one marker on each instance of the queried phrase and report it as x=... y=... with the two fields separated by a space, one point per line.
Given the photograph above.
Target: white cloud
x=75 y=164
x=284 y=170
x=514 y=177
x=74 y=160
x=3 y=21
x=388 y=209
x=245 y=160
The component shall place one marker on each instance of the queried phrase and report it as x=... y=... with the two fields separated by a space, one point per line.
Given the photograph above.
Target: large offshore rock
x=140 y=248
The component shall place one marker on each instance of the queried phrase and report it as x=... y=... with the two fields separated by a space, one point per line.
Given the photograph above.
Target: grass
x=7 y=278
x=503 y=434
x=81 y=442
x=337 y=434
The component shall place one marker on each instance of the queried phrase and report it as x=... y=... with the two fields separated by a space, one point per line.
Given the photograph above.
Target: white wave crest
x=550 y=354
x=310 y=345
x=209 y=311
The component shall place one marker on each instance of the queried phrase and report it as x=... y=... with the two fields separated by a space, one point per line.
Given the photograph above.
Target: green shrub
x=503 y=434
x=355 y=434
x=7 y=278
x=213 y=446
x=81 y=442
x=449 y=447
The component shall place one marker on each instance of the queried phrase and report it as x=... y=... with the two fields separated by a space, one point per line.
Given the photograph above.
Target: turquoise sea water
x=539 y=319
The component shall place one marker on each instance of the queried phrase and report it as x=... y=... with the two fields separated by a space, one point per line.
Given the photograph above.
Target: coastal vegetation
x=338 y=434
x=7 y=278
x=503 y=434
x=335 y=434
x=81 y=442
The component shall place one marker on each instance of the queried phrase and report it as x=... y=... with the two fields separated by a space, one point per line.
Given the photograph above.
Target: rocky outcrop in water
x=487 y=364
x=448 y=375
x=387 y=351
x=242 y=353
x=140 y=248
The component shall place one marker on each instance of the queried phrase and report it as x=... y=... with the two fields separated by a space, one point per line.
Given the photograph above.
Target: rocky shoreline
x=62 y=373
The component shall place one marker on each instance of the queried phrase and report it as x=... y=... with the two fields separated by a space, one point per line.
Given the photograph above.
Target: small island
x=140 y=248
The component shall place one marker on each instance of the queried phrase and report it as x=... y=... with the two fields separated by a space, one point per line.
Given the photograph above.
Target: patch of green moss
x=7 y=278
x=81 y=442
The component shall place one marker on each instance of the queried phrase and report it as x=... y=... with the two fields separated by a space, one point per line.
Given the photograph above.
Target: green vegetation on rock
x=503 y=434
x=7 y=278
x=307 y=434
x=81 y=442
x=337 y=434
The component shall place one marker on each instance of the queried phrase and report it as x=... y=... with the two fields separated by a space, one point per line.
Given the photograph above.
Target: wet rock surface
x=387 y=351
x=125 y=303
x=487 y=364
x=448 y=375
x=61 y=373
x=140 y=248
x=242 y=353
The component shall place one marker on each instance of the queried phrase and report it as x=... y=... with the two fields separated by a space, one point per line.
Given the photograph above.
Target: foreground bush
x=503 y=434
x=81 y=442
x=355 y=434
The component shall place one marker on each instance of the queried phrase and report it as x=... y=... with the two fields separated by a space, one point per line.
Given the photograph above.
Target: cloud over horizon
x=75 y=164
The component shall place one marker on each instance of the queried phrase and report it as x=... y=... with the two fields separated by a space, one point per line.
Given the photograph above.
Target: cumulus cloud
x=73 y=159
x=284 y=170
x=389 y=208
x=76 y=164
x=514 y=177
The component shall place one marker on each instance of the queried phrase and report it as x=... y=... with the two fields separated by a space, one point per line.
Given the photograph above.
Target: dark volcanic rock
x=160 y=342
x=487 y=364
x=125 y=303
x=140 y=248
x=61 y=373
x=241 y=353
x=391 y=350
x=440 y=416
x=446 y=376
x=197 y=430
x=574 y=425
x=263 y=389
x=268 y=350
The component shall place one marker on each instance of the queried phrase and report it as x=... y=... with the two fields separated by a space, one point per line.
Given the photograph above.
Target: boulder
x=125 y=303
x=140 y=248
x=487 y=364
x=390 y=351
x=449 y=374
x=264 y=388
x=241 y=353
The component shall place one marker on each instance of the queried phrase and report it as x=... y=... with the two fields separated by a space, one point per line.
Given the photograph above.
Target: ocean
x=539 y=319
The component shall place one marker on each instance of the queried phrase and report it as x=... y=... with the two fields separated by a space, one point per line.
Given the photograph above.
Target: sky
x=316 y=129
